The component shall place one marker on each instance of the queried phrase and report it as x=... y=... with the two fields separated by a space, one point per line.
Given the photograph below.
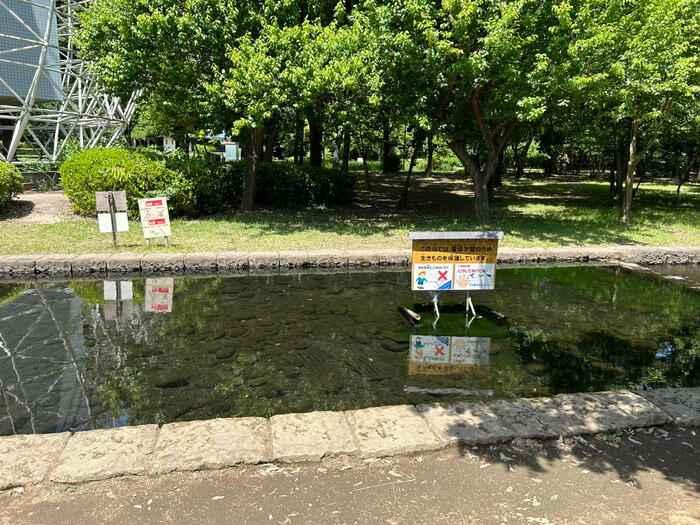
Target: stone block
x=288 y=260
x=386 y=431
x=162 y=263
x=28 y=459
x=201 y=262
x=610 y=411
x=125 y=263
x=102 y=454
x=362 y=258
x=263 y=262
x=394 y=257
x=328 y=259
x=681 y=404
x=55 y=265
x=232 y=261
x=465 y=423
x=89 y=264
x=536 y=418
x=18 y=264
x=309 y=437
x=212 y=444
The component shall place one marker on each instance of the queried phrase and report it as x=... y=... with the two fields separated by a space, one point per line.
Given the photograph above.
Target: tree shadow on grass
x=580 y=213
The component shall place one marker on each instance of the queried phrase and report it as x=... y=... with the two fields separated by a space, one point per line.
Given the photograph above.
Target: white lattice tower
x=47 y=96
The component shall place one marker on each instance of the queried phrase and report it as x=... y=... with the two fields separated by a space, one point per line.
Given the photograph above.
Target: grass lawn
x=533 y=213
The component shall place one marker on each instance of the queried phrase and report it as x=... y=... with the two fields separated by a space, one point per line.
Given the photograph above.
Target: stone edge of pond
x=148 y=450
x=243 y=263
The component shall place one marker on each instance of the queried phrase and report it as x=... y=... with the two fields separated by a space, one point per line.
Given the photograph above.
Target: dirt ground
x=39 y=207
x=646 y=476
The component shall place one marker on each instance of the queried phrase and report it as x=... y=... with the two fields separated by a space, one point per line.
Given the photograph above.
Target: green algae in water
x=259 y=346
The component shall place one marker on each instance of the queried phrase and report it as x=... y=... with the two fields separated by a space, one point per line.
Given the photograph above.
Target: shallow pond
x=94 y=354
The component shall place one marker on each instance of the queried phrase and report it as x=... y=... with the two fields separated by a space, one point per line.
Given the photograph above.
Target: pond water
x=93 y=354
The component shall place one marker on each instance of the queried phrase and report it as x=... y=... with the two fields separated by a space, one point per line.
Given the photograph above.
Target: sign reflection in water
x=119 y=300
x=448 y=354
x=159 y=295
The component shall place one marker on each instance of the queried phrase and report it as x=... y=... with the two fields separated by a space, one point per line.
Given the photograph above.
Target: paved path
x=648 y=476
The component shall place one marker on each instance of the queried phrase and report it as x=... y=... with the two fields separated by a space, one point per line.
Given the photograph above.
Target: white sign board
x=104 y=221
x=159 y=295
x=125 y=289
x=155 y=220
x=474 y=276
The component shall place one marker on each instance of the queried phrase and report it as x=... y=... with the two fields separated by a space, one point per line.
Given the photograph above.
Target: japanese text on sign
x=454 y=260
x=155 y=220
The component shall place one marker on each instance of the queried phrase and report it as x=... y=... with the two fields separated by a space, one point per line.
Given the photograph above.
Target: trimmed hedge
x=196 y=187
x=11 y=183
x=102 y=169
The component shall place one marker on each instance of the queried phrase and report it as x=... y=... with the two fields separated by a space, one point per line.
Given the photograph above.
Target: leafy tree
x=635 y=60
x=477 y=68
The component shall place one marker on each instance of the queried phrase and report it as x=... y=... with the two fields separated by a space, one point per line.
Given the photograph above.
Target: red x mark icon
x=442 y=276
x=439 y=349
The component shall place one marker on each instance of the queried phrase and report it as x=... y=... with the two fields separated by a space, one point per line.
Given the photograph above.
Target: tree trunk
x=299 y=143
x=346 y=152
x=316 y=137
x=429 y=166
x=620 y=163
x=635 y=158
x=479 y=177
x=419 y=138
x=270 y=140
x=629 y=173
x=252 y=163
x=613 y=170
x=366 y=168
x=684 y=176
x=386 y=144
x=336 y=156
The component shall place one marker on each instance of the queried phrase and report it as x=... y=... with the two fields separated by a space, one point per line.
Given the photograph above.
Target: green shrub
x=11 y=183
x=103 y=169
x=195 y=187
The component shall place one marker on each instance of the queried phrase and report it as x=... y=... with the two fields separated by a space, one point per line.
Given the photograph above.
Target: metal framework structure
x=48 y=98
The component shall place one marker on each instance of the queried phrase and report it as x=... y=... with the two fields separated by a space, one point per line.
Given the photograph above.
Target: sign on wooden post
x=114 y=220
x=155 y=220
x=454 y=260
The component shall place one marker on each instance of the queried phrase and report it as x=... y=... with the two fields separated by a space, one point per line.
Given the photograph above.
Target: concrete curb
x=146 y=264
x=371 y=432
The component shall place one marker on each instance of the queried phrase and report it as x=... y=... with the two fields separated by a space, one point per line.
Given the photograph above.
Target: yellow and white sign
x=454 y=260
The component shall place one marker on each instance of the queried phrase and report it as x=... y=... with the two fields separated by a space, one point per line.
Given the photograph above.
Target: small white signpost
x=155 y=220
x=114 y=220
